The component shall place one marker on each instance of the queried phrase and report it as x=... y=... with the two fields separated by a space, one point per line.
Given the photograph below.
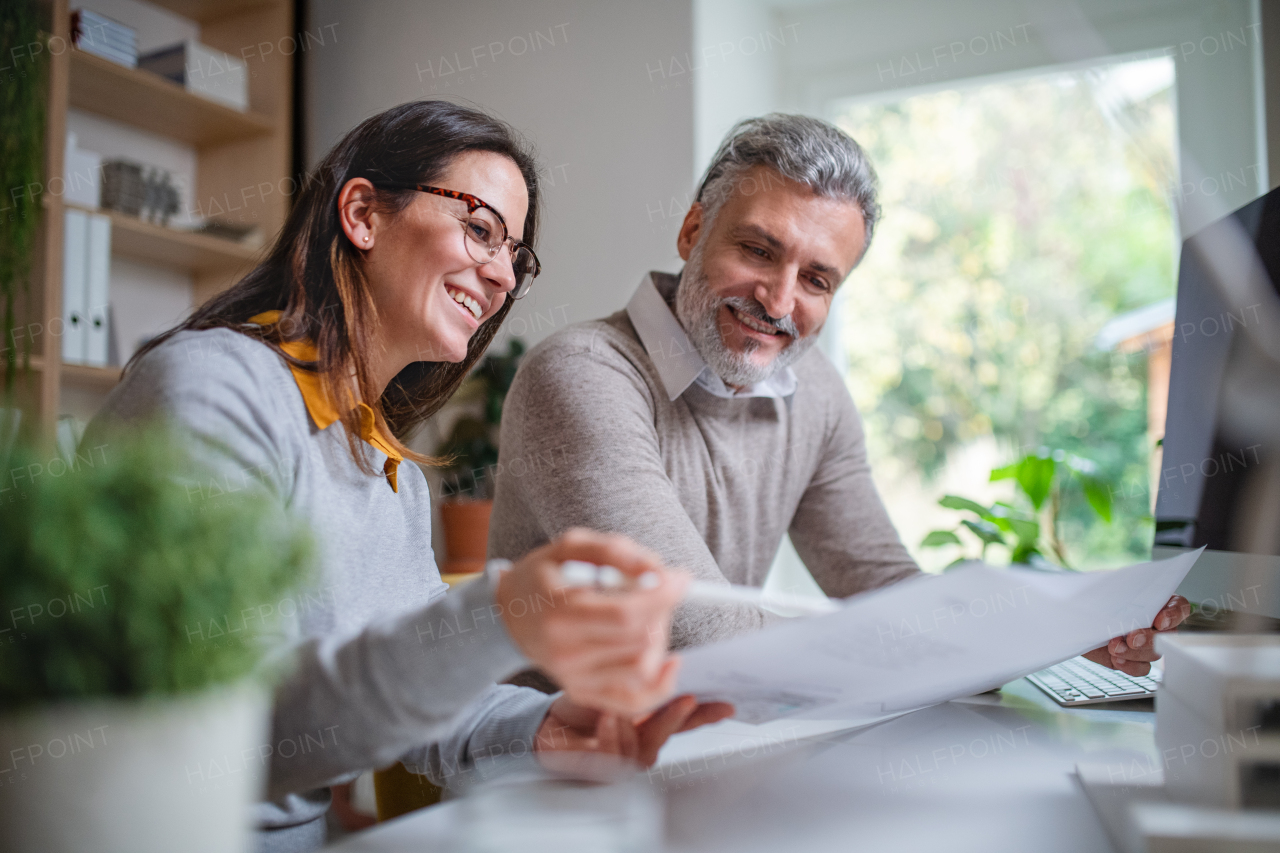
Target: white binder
x=98 y=279
x=74 y=282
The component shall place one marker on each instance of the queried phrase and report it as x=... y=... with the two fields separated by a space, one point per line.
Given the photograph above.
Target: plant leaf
x=1005 y=473
x=985 y=530
x=964 y=504
x=1026 y=531
x=1099 y=496
x=938 y=538
x=1024 y=551
x=1035 y=478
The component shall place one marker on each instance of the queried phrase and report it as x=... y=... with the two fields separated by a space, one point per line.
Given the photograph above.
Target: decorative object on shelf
x=134 y=709
x=123 y=188
x=22 y=128
x=82 y=173
x=105 y=37
x=472 y=448
x=1038 y=477
x=86 y=281
x=237 y=232
x=202 y=71
x=146 y=192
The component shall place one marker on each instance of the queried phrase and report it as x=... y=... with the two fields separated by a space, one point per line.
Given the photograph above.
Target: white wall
x=871 y=49
x=585 y=81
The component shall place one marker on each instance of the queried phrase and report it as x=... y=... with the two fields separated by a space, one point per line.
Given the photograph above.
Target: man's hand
x=1132 y=653
x=570 y=728
x=607 y=649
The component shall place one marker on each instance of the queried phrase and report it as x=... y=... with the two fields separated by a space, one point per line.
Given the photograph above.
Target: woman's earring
x=366 y=238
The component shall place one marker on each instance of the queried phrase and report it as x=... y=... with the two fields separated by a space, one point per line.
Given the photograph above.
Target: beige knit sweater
x=590 y=438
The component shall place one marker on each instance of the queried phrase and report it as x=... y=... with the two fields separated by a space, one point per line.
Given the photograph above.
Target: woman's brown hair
x=312 y=272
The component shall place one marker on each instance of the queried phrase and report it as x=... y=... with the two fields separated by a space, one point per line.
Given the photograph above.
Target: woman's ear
x=356 y=214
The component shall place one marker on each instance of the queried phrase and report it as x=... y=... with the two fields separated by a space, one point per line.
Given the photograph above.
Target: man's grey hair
x=806 y=150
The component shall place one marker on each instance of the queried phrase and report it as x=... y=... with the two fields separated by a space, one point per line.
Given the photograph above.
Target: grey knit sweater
x=591 y=438
x=387 y=666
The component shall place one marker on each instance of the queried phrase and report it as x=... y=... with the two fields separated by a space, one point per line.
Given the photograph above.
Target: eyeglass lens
x=484 y=241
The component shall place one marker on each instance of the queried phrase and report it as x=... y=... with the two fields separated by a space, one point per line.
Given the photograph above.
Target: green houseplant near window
x=1027 y=526
x=472 y=448
x=120 y=716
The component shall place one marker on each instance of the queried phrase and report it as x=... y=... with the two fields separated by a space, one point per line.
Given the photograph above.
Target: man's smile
x=755 y=324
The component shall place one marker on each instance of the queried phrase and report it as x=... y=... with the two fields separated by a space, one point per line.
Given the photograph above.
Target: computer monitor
x=1219 y=479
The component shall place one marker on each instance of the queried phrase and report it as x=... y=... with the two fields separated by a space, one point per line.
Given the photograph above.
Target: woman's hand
x=570 y=728
x=607 y=649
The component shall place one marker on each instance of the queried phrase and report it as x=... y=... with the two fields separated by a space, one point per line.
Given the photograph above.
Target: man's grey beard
x=697 y=309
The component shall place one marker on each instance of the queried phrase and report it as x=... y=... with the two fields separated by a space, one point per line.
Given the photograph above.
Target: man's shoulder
x=603 y=336
x=608 y=342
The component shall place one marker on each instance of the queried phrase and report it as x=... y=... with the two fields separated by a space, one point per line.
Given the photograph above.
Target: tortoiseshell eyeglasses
x=485 y=233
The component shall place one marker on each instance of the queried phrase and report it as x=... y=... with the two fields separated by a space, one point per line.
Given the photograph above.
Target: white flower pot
x=134 y=776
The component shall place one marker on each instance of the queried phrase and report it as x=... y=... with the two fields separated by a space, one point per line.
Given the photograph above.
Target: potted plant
x=133 y=713
x=472 y=453
x=1028 y=526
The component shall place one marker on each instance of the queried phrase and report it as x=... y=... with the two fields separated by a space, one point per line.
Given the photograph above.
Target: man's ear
x=356 y=214
x=690 y=231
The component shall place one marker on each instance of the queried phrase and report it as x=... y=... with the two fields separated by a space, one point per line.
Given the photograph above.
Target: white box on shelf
x=82 y=174
x=97 y=295
x=75 y=244
x=203 y=71
x=1218 y=718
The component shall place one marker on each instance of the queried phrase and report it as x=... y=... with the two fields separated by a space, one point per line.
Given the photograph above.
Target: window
x=1019 y=219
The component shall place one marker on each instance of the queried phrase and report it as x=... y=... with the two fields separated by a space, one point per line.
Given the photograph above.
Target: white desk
x=992 y=774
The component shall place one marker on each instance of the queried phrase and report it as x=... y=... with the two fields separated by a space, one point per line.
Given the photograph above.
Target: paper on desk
x=928 y=640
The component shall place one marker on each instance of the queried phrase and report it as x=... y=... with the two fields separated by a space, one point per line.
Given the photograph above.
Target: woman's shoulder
x=206 y=368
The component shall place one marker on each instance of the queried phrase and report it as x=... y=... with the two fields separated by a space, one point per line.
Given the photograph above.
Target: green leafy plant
x=111 y=567
x=1029 y=526
x=21 y=158
x=472 y=445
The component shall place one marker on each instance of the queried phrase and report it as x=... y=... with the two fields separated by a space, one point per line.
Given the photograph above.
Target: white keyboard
x=1083 y=682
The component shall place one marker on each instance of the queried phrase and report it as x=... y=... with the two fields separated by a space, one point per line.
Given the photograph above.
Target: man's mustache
x=754 y=309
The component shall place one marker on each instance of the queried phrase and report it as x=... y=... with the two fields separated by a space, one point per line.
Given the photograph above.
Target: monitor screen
x=1219 y=478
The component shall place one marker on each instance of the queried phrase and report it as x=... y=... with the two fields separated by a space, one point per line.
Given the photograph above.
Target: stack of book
x=101 y=35
x=202 y=71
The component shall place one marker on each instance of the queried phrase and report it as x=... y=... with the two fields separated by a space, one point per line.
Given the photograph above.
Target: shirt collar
x=674 y=356
x=321 y=407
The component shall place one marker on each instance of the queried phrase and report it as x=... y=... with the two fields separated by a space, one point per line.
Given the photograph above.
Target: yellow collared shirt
x=321 y=407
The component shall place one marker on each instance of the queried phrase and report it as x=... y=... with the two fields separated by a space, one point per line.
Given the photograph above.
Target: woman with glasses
x=399 y=260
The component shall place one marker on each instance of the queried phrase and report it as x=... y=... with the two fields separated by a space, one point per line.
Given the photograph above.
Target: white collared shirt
x=677 y=360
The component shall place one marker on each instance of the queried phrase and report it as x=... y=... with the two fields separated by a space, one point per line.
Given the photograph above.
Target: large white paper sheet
x=928 y=640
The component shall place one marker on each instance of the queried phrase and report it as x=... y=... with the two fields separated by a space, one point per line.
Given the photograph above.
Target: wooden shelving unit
x=150 y=102
x=194 y=253
x=234 y=150
x=82 y=375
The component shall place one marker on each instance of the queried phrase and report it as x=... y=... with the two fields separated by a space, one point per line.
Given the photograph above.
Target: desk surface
x=990 y=773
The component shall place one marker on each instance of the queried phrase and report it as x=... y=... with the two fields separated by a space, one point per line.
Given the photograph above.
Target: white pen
x=577 y=573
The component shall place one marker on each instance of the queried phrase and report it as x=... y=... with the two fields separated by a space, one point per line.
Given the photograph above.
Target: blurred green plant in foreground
x=114 y=570
x=1028 y=527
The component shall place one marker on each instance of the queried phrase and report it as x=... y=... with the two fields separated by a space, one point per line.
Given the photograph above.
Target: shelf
x=83 y=376
x=152 y=103
x=207 y=10
x=195 y=253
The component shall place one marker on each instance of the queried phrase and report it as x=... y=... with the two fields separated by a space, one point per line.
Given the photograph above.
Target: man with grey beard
x=699 y=421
